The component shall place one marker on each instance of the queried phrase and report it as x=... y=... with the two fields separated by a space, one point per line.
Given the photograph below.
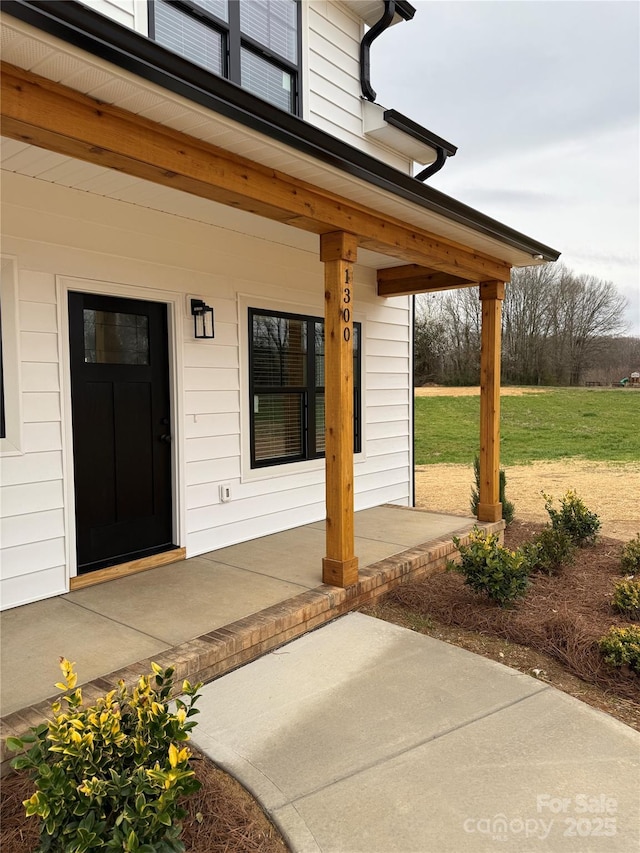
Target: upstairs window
x=286 y=376
x=254 y=43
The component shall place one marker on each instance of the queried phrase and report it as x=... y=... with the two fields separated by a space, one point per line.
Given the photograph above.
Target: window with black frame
x=254 y=43
x=286 y=386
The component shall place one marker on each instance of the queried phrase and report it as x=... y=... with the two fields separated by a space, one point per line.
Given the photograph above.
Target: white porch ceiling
x=23 y=159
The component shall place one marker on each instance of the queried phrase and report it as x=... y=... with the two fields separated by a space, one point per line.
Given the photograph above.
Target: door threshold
x=122 y=570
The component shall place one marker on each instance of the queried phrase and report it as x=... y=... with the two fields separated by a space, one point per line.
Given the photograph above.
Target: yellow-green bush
x=490 y=568
x=630 y=560
x=626 y=598
x=573 y=517
x=549 y=551
x=621 y=647
x=108 y=777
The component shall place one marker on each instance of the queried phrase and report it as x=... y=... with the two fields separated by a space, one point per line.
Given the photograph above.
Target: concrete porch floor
x=208 y=614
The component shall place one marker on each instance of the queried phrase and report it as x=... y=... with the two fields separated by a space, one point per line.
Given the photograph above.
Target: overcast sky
x=542 y=98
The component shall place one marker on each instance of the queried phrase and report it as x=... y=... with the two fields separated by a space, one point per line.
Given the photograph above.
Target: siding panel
x=203 y=426
x=387 y=414
x=34 y=468
x=387 y=398
x=383 y=381
x=40 y=377
x=386 y=429
x=212 y=471
x=391 y=493
x=40 y=437
x=34 y=557
x=387 y=349
x=23 y=589
x=211 y=378
x=31 y=497
x=199 y=355
x=218 y=447
x=41 y=407
x=219 y=537
x=22 y=529
x=39 y=346
x=211 y=402
x=38 y=317
x=390 y=364
x=37 y=287
x=218 y=514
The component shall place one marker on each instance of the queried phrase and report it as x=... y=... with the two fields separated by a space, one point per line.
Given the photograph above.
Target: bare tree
x=429 y=342
x=584 y=311
x=526 y=324
x=555 y=325
x=461 y=313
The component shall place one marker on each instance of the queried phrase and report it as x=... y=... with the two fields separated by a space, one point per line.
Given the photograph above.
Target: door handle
x=166 y=438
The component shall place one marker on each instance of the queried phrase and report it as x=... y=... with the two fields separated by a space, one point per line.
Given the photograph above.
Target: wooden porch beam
x=491 y=296
x=46 y=114
x=413 y=278
x=338 y=252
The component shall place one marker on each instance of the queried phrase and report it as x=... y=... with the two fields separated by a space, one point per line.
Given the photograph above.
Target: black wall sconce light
x=202 y=319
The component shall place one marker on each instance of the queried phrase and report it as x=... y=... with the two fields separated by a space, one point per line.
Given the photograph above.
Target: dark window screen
x=189 y=37
x=287 y=387
x=273 y=24
x=255 y=43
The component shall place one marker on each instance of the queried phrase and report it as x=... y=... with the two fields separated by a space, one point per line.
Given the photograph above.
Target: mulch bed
x=563 y=616
x=221 y=817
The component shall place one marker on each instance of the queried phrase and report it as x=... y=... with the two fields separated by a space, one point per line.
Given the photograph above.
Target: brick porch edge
x=213 y=654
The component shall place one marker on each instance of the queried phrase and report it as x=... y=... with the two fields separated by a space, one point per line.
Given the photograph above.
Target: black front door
x=121 y=429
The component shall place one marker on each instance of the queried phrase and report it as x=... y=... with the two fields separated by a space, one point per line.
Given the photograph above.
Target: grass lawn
x=602 y=425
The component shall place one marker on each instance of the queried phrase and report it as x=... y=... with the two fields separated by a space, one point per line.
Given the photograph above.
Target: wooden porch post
x=338 y=252
x=491 y=296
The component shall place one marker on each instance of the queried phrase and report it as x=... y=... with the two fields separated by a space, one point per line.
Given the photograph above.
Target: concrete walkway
x=363 y=737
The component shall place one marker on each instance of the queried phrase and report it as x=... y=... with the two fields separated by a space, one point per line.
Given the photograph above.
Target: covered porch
x=210 y=614
x=406 y=257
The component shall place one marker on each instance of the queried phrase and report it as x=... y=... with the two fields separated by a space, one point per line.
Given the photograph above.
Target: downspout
x=438 y=163
x=365 y=48
x=365 y=78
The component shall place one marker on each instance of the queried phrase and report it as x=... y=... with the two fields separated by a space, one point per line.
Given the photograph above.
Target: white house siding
x=32 y=526
x=65 y=236
x=333 y=96
x=129 y=13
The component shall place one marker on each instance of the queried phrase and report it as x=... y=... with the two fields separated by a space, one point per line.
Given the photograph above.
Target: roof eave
x=102 y=37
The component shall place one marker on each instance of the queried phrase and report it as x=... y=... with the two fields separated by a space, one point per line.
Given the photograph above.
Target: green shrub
x=548 y=551
x=630 y=560
x=621 y=647
x=579 y=523
x=626 y=598
x=490 y=568
x=508 y=509
x=108 y=777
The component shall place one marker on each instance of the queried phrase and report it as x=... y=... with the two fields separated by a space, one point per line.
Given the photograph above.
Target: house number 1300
x=346 y=314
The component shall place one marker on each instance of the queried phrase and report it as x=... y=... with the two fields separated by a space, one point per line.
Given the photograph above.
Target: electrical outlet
x=225 y=493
